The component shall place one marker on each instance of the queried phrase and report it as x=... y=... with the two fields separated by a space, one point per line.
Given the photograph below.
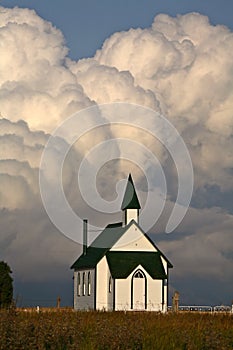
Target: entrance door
x=138 y=292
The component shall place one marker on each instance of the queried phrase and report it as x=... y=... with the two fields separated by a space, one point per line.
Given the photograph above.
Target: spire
x=130 y=200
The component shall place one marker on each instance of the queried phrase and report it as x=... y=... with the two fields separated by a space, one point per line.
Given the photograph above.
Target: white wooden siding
x=131 y=214
x=102 y=273
x=123 y=294
x=84 y=302
x=134 y=240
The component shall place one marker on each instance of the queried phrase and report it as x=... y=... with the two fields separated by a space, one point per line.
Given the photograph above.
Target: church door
x=138 y=291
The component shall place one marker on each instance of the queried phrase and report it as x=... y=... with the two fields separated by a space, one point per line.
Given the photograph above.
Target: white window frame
x=78 y=284
x=84 y=284
x=89 y=283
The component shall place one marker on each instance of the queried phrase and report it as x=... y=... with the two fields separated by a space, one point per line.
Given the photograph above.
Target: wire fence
x=204 y=308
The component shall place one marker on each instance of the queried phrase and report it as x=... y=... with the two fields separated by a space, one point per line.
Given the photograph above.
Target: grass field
x=65 y=329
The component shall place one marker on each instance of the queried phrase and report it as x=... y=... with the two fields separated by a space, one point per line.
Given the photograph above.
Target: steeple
x=130 y=205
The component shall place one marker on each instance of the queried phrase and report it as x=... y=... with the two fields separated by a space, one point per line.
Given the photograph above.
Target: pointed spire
x=130 y=200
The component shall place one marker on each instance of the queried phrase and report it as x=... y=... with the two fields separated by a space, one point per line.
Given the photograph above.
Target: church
x=122 y=269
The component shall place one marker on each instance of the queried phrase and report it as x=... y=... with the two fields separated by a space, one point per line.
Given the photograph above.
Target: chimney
x=84 y=236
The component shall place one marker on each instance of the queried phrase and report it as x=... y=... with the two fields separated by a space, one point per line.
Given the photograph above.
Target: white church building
x=122 y=269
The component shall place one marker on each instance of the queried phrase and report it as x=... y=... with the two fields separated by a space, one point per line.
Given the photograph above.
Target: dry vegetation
x=66 y=329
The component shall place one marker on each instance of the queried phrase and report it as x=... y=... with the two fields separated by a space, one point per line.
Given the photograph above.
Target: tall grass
x=65 y=329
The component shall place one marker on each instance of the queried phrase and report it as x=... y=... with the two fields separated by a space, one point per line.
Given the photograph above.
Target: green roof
x=151 y=261
x=108 y=237
x=122 y=263
x=130 y=200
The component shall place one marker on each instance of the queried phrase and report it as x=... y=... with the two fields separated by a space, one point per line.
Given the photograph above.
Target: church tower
x=130 y=205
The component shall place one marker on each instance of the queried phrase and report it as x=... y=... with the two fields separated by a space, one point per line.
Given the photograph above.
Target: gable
x=121 y=264
x=133 y=239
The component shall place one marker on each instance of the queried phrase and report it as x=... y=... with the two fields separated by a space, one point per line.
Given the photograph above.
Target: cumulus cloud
x=107 y=84
x=204 y=242
x=36 y=86
x=180 y=67
x=28 y=241
x=187 y=63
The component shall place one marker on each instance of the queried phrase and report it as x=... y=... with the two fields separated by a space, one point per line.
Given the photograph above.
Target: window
x=83 y=285
x=138 y=274
x=89 y=283
x=110 y=285
x=78 y=284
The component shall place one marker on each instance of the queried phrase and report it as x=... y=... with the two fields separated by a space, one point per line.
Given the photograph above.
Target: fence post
x=175 y=301
x=58 y=302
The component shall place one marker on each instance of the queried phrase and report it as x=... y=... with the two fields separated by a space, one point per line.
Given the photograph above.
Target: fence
x=203 y=308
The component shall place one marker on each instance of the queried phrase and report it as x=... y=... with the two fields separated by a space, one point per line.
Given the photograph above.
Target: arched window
x=83 y=285
x=78 y=284
x=138 y=274
x=89 y=283
x=110 y=285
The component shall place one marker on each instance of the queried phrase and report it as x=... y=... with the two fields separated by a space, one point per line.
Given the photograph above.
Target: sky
x=97 y=20
x=57 y=61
